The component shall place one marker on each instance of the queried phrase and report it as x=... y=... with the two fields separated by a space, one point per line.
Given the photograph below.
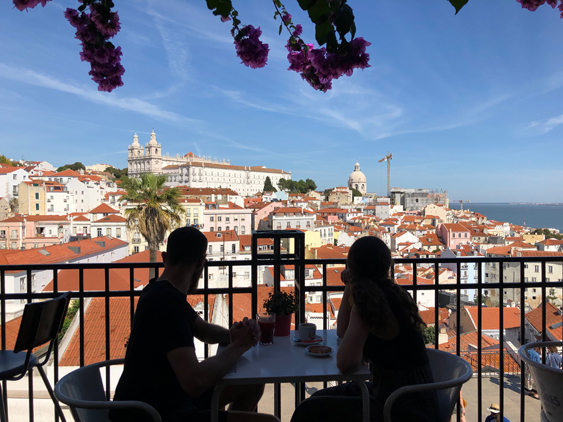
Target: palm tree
x=156 y=210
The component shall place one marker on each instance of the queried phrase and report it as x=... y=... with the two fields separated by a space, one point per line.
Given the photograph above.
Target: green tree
x=76 y=167
x=5 y=160
x=117 y=173
x=429 y=335
x=156 y=211
x=268 y=186
x=356 y=192
x=548 y=234
x=282 y=184
x=311 y=185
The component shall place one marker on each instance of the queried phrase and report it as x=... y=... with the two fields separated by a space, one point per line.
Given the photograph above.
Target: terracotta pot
x=283 y=325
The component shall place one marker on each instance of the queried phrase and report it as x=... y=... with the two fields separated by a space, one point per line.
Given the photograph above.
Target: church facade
x=357 y=180
x=199 y=172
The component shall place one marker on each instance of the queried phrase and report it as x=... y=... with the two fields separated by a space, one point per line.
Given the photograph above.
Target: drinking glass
x=266 y=320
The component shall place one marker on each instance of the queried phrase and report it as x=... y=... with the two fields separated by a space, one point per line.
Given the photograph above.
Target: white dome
x=153 y=139
x=136 y=140
x=357 y=180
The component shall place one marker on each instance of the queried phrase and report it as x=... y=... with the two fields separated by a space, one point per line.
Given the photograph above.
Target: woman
x=378 y=322
x=553 y=358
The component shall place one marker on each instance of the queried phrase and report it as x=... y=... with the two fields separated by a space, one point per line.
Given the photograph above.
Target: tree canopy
x=6 y=160
x=117 y=173
x=155 y=211
x=548 y=234
x=356 y=192
x=76 y=167
x=268 y=186
x=302 y=186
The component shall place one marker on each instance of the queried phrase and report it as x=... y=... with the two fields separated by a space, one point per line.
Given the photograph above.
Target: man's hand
x=243 y=334
x=345 y=276
x=255 y=329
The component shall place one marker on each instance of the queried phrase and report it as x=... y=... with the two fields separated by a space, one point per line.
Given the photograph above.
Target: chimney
x=442 y=336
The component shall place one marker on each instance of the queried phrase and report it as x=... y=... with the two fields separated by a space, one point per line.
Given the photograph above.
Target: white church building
x=199 y=172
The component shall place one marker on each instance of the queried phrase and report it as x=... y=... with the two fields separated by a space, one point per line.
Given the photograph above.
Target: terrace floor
x=490 y=386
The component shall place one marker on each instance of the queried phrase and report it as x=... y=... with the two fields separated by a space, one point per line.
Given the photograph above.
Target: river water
x=536 y=216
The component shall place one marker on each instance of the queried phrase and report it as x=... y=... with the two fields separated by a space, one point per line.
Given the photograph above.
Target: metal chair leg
x=3 y=417
x=51 y=393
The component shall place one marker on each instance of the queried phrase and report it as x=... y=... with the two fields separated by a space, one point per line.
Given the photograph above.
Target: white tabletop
x=286 y=361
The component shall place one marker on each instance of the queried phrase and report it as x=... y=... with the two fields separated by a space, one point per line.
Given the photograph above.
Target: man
x=495 y=414
x=161 y=366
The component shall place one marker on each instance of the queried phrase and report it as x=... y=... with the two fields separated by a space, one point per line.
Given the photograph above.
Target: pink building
x=453 y=235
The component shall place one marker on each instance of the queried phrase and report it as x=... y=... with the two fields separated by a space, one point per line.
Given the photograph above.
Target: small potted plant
x=284 y=305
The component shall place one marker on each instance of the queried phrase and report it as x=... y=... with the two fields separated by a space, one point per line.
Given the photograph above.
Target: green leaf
x=344 y=20
x=307 y=4
x=320 y=12
x=280 y=28
x=323 y=32
x=212 y=4
x=458 y=4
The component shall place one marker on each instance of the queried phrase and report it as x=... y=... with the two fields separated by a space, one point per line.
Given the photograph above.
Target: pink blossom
x=249 y=48
x=25 y=4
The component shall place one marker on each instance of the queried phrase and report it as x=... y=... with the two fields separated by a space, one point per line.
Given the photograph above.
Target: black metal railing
x=485 y=362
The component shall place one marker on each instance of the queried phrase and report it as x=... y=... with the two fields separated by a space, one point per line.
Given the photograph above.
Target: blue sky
x=468 y=103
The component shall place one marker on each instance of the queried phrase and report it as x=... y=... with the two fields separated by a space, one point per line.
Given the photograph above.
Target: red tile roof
x=491 y=317
x=109 y=219
x=104 y=209
x=552 y=317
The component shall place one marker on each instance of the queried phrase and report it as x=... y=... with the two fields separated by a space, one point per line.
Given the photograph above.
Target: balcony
x=498 y=376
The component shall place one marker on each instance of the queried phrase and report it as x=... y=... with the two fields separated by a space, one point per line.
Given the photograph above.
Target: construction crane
x=461 y=201
x=388 y=159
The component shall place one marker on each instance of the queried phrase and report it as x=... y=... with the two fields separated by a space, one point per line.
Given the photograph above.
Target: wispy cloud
x=135 y=105
x=545 y=126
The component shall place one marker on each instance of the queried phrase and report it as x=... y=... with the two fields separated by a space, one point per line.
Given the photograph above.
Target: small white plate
x=317 y=340
x=320 y=355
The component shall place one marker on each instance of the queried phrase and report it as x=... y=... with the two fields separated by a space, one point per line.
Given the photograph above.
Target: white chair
x=548 y=382
x=450 y=372
x=82 y=390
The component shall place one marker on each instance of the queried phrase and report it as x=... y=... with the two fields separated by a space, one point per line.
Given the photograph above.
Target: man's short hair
x=185 y=246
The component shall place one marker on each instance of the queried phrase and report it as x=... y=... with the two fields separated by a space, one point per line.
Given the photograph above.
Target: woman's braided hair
x=373 y=292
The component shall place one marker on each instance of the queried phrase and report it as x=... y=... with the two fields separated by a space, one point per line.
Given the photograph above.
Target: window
x=135 y=249
x=526 y=266
x=211 y=229
x=196 y=212
x=99 y=232
x=233 y=248
x=118 y=232
x=533 y=278
x=14 y=176
x=195 y=221
x=227 y=228
x=219 y=228
x=108 y=231
x=221 y=248
x=210 y=249
x=36 y=207
x=33 y=281
x=22 y=284
x=236 y=229
x=453 y=235
x=288 y=224
x=242 y=218
x=210 y=276
x=187 y=212
x=550 y=269
x=187 y=221
x=536 y=268
x=242 y=229
x=465 y=234
x=37 y=195
x=211 y=218
x=227 y=219
x=218 y=218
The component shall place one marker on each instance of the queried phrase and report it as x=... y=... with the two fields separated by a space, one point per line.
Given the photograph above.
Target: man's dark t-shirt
x=163 y=322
